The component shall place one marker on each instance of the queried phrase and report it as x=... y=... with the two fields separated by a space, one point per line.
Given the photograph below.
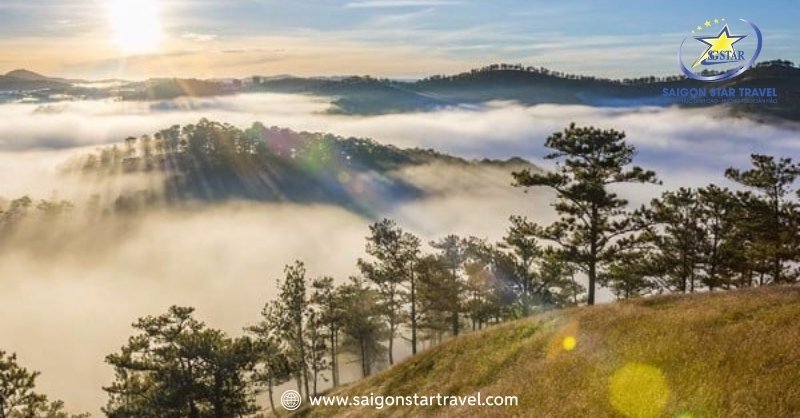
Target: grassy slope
x=733 y=354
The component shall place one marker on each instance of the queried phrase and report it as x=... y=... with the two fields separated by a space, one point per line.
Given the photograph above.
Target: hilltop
x=28 y=80
x=731 y=354
x=23 y=74
x=211 y=161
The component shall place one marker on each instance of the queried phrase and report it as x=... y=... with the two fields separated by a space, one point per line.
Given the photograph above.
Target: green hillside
x=731 y=354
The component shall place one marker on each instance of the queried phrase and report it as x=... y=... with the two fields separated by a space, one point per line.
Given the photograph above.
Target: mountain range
x=365 y=95
x=531 y=86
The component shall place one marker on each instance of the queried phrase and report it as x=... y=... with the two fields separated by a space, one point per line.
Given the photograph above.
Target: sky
x=395 y=38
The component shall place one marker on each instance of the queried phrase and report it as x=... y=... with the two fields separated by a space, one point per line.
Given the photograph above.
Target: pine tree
x=678 y=235
x=395 y=253
x=721 y=249
x=438 y=295
x=770 y=212
x=589 y=160
x=273 y=366
x=17 y=384
x=453 y=254
x=362 y=326
x=176 y=367
x=291 y=309
x=327 y=301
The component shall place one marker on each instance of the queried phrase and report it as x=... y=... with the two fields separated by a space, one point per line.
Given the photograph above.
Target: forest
x=212 y=161
x=705 y=239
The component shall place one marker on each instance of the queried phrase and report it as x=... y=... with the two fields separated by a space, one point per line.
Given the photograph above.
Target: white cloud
x=668 y=139
x=199 y=37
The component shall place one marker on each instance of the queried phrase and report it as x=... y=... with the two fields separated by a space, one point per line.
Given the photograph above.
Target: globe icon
x=291 y=400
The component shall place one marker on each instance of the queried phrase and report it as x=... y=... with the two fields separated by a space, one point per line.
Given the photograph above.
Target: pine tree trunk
x=299 y=381
x=364 y=358
x=592 y=279
x=593 y=256
x=334 y=360
x=305 y=379
x=413 y=316
x=303 y=364
x=776 y=263
x=271 y=398
x=391 y=341
x=219 y=408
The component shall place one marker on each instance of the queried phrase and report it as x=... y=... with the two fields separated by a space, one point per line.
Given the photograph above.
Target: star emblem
x=723 y=42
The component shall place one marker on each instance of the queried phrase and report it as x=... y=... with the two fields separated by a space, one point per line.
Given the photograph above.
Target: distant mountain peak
x=24 y=74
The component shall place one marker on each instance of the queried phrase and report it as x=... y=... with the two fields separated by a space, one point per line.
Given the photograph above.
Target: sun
x=135 y=24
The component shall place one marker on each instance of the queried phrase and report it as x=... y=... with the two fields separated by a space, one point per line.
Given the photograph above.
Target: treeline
x=213 y=145
x=708 y=238
x=18 y=213
x=214 y=161
x=548 y=73
x=568 y=76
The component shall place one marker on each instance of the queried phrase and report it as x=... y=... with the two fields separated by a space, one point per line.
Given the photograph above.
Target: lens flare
x=639 y=391
x=569 y=343
x=564 y=339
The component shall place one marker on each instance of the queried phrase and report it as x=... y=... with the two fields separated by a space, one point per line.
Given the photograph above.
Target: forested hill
x=211 y=161
x=532 y=85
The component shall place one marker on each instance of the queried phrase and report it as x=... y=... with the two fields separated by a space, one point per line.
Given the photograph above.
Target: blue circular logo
x=720 y=50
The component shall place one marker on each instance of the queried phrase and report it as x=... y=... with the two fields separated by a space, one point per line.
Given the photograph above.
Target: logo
x=719 y=49
x=291 y=400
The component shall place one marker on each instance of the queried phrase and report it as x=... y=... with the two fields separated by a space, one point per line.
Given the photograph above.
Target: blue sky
x=401 y=38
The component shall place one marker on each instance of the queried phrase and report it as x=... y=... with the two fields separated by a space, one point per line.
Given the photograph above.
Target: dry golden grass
x=732 y=354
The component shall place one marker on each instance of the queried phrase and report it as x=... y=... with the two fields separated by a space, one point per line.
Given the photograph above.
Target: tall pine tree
x=589 y=161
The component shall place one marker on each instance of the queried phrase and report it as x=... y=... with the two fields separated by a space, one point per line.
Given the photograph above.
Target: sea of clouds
x=64 y=310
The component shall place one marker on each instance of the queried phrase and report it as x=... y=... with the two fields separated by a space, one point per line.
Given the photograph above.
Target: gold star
x=721 y=43
x=716 y=20
x=724 y=43
x=708 y=23
x=699 y=27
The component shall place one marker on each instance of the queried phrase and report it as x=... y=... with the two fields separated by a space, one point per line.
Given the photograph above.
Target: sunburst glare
x=136 y=25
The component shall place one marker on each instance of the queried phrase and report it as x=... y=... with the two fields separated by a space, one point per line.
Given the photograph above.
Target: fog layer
x=70 y=294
